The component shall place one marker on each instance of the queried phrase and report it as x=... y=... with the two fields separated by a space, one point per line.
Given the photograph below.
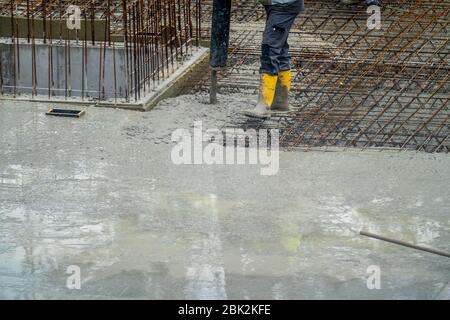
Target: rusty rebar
x=155 y=37
x=352 y=87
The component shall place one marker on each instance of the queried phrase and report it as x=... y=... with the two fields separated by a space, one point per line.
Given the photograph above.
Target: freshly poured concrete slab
x=445 y=293
x=102 y=194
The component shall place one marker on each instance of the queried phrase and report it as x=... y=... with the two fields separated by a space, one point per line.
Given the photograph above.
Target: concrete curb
x=176 y=82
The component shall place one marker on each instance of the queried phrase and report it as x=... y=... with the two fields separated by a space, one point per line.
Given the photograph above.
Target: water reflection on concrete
x=84 y=192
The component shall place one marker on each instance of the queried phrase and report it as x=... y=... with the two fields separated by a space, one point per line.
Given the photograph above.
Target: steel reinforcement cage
x=353 y=86
x=154 y=36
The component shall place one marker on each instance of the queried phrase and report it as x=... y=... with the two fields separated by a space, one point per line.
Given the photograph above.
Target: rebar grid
x=156 y=36
x=354 y=87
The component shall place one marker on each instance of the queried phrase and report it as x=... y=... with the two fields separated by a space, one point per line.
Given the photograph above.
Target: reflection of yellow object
x=292 y=244
x=268 y=85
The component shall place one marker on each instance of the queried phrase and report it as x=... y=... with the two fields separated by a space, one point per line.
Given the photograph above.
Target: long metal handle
x=405 y=244
x=213 y=92
x=220 y=38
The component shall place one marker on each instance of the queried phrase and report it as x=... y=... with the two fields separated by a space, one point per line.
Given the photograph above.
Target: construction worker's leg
x=270 y=51
x=279 y=22
x=281 y=99
x=283 y=88
x=274 y=48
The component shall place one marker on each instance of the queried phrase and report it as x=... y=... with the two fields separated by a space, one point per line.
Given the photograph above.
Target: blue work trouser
x=275 y=48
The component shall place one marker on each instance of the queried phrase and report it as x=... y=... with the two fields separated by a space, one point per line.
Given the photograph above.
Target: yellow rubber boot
x=281 y=100
x=266 y=95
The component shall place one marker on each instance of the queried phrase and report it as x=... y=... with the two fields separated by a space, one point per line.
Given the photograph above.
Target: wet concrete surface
x=101 y=193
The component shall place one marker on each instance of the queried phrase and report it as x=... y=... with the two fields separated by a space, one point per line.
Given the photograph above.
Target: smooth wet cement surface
x=101 y=193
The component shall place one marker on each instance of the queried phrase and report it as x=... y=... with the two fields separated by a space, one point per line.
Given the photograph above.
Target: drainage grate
x=65 y=113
